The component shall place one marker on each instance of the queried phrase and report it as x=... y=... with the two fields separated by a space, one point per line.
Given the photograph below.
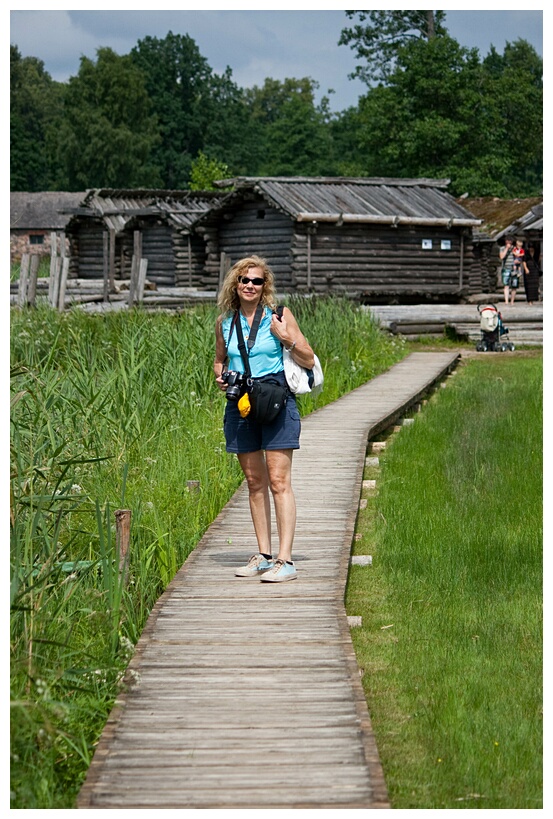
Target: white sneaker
x=281 y=571
x=256 y=565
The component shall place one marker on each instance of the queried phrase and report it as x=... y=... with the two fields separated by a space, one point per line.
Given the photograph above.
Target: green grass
x=451 y=643
x=43 y=269
x=109 y=412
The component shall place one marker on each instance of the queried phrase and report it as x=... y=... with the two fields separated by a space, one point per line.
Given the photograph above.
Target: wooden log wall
x=157 y=248
x=87 y=251
x=254 y=229
x=378 y=258
x=190 y=258
x=485 y=267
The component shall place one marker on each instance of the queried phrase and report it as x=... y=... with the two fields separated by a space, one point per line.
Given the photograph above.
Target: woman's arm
x=220 y=354
x=288 y=332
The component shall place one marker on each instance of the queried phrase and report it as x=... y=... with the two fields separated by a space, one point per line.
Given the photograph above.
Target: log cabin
x=501 y=218
x=110 y=226
x=375 y=239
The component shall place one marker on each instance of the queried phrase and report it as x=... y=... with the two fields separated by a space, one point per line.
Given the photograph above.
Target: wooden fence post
x=23 y=280
x=142 y=269
x=123 y=539
x=111 y=274
x=189 y=261
x=105 y=263
x=31 y=289
x=135 y=267
x=63 y=282
x=53 y=269
x=461 y=260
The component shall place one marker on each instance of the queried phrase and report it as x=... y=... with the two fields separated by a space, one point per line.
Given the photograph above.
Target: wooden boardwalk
x=244 y=694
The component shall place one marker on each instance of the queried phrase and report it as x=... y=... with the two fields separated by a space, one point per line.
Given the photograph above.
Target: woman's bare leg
x=255 y=471
x=279 y=468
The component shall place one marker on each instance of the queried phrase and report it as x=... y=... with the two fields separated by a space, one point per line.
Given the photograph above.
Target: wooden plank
x=229 y=671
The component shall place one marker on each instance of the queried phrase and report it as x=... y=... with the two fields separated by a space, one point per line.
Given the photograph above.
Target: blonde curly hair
x=228 y=301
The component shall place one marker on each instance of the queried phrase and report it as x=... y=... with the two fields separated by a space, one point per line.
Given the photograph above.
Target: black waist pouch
x=267 y=397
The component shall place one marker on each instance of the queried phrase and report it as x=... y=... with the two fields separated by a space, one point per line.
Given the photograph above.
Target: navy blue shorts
x=247 y=435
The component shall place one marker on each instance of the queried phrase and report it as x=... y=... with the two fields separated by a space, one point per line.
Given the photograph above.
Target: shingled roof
x=502 y=216
x=43 y=210
x=117 y=207
x=362 y=200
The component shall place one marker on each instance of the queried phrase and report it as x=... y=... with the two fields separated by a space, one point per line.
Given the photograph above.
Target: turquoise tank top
x=266 y=354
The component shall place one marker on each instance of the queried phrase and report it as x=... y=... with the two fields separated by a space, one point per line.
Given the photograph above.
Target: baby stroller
x=494 y=336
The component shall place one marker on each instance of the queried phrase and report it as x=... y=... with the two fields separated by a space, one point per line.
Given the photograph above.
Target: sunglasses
x=246 y=280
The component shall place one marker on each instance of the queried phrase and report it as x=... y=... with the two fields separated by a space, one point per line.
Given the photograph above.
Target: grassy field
x=111 y=412
x=451 y=643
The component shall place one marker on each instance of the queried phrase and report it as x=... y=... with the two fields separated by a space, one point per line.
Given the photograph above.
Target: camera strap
x=251 y=338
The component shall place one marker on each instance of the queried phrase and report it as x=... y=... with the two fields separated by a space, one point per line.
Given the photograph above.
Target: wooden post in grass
x=142 y=270
x=123 y=533
x=105 y=263
x=33 y=275
x=135 y=267
x=53 y=269
x=63 y=282
x=23 y=280
x=64 y=273
x=111 y=271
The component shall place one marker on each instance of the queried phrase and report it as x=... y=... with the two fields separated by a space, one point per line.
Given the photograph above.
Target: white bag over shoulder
x=300 y=380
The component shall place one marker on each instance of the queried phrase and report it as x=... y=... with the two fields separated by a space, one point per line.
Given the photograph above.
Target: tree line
x=160 y=117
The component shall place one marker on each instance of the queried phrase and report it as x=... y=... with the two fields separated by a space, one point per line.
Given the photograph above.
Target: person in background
x=532 y=273
x=507 y=263
x=519 y=267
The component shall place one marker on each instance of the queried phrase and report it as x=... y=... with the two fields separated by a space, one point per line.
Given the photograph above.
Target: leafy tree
x=109 y=131
x=35 y=112
x=205 y=171
x=441 y=113
x=178 y=83
x=380 y=35
x=228 y=133
x=514 y=89
x=293 y=136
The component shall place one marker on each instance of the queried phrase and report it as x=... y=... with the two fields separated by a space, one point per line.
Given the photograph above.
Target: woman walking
x=264 y=449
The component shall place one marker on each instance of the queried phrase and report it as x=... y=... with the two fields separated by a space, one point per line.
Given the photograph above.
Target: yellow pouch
x=244 y=405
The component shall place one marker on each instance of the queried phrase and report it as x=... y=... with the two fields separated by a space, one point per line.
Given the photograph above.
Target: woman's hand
x=289 y=334
x=280 y=329
x=218 y=370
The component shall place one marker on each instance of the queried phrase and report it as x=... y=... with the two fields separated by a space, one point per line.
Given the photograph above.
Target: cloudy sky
x=255 y=44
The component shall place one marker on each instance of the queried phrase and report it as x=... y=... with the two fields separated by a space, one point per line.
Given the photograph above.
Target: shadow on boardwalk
x=244 y=694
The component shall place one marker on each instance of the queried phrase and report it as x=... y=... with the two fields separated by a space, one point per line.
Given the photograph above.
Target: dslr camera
x=236 y=384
